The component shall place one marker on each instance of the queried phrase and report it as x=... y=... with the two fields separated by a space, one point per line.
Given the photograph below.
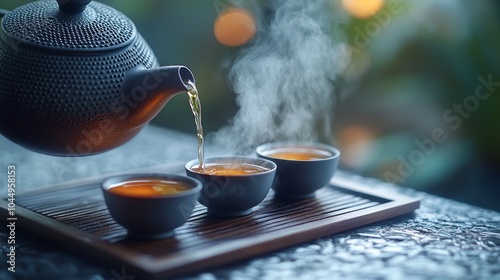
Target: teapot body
x=64 y=104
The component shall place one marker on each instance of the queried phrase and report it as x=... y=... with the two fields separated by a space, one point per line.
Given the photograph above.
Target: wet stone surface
x=443 y=239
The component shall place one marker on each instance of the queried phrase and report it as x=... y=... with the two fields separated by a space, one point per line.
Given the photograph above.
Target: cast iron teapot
x=76 y=78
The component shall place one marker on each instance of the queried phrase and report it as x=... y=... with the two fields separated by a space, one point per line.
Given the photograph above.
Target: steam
x=284 y=81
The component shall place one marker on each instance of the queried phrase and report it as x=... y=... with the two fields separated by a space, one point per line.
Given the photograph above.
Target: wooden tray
x=75 y=216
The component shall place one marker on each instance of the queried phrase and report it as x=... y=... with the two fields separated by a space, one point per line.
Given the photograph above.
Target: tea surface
x=149 y=188
x=229 y=169
x=298 y=153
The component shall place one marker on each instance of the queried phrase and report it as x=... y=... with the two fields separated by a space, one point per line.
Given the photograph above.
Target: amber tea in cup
x=149 y=188
x=229 y=169
x=298 y=153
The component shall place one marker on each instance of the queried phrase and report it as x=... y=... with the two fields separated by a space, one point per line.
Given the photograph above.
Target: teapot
x=76 y=78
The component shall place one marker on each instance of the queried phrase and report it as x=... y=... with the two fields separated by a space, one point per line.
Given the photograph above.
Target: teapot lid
x=69 y=25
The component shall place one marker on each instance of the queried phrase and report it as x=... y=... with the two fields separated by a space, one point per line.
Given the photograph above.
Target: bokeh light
x=356 y=144
x=234 y=27
x=363 y=8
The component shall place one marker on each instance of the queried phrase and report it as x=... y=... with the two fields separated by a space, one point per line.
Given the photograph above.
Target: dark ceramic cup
x=300 y=177
x=151 y=217
x=233 y=195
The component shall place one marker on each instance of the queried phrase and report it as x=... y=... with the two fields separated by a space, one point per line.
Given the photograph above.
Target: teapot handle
x=4 y=12
x=73 y=6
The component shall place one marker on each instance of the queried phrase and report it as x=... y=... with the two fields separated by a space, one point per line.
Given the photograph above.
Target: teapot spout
x=146 y=91
x=166 y=80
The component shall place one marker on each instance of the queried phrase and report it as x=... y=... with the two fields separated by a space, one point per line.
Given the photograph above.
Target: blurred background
x=416 y=103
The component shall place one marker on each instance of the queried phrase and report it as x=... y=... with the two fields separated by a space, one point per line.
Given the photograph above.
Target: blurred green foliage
x=421 y=69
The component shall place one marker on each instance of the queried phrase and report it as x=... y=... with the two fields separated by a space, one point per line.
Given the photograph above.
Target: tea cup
x=150 y=213
x=302 y=167
x=232 y=185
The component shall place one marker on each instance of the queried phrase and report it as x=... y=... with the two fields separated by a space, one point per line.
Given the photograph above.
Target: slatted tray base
x=76 y=216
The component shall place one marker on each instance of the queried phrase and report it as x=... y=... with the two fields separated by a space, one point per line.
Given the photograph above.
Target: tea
x=229 y=169
x=298 y=153
x=195 y=104
x=149 y=188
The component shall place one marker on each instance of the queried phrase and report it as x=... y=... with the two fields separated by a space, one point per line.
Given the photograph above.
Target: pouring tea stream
x=76 y=78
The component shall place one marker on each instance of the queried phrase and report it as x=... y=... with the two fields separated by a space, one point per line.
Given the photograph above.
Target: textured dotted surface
x=62 y=86
x=42 y=24
x=443 y=239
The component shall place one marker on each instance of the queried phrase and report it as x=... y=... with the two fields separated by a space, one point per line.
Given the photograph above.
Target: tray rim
x=228 y=251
